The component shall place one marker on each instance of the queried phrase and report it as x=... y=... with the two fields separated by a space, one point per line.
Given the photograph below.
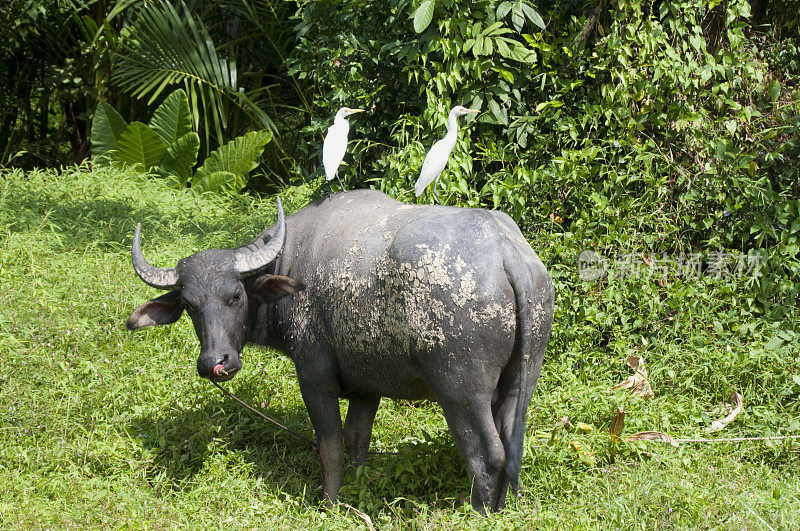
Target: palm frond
x=166 y=48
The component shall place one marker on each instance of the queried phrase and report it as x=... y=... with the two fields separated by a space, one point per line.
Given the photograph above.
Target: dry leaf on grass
x=585 y=454
x=617 y=423
x=653 y=436
x=720 y=424
x=362 y=515
x=637 y=383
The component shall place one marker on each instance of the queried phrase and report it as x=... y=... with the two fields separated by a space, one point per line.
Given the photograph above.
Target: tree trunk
x=591 y=24
x=79 y=133
x=757 y=11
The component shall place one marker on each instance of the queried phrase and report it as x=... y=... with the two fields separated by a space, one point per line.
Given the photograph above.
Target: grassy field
x=103 y=428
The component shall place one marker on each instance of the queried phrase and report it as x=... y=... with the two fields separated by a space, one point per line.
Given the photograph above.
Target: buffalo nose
x=218 y=366
x=207 y=367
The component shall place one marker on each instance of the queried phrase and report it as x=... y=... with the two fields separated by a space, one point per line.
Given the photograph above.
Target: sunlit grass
x=101 y=427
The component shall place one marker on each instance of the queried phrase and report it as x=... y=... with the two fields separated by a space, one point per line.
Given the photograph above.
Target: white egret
x=436 y=159
x=335 y=144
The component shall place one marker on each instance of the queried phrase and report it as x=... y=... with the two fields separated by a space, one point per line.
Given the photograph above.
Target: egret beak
x=473 y=111
x=353 y=111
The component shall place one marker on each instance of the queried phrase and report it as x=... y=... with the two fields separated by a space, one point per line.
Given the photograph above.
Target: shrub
x=168 y=147
x=651 y=127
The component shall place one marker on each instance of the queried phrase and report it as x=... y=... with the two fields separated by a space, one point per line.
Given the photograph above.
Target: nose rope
x=278 y=424
x=257 y=412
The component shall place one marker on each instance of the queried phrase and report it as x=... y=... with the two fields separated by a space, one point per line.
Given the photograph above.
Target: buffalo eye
x=234 y=300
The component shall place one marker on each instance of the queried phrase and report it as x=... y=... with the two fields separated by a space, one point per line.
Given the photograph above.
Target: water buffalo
x=371 y=297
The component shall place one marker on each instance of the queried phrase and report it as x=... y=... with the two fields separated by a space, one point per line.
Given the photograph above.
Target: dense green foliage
x=168 y=45
x=168 y=147
x=648 y=115
x=676 y=129
x=46 y=83
x=101 y=427
x=59 y=58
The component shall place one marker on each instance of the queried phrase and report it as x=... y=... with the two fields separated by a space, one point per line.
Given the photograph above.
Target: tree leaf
x=638 y=382
x=525 y=55
x=172 y=120
x=532 y=14
x=487 y=46
x=477 y=50
x=498 y=114
x=517 y=18
x=239 y=157
x=617 y=423
x=107 y=125
x=502 y=47
x=720 y=424
x=181 y=157
x=138 y=144
x=492 y=29
x=217 y=181
x=774 y=91
x=503 y=9
x=423 y=15
x=469 y=43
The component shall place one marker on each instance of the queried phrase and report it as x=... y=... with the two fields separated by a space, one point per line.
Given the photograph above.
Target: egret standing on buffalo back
x=436 y=159
x=335 y=144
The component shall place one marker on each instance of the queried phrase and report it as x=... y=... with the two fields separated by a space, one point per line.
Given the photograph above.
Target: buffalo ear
x=165 y=309
x=270 y=288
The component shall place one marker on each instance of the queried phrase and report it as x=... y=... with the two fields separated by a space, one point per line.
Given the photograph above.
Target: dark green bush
x=669 y=130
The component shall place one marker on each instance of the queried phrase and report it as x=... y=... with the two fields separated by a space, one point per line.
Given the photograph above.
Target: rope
x=741 y=439
x=278 y=424
x=257 y=412
x=314 y=445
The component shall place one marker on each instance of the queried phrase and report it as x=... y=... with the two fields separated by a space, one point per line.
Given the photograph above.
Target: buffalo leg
x=323 y=409
x=473 y=430
x=504 y=422
x=504 y=410
x=358 y=427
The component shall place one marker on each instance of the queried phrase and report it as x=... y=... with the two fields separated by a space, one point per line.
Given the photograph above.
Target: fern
x=166 y=49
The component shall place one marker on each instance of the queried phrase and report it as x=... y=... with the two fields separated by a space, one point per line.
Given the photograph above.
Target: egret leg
x=436 y=193
x=340 y=182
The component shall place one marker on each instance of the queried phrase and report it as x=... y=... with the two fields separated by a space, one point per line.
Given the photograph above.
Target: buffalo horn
x=158 y=277
x=251 y=258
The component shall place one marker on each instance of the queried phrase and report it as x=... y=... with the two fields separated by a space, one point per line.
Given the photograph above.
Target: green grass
x=101 y=427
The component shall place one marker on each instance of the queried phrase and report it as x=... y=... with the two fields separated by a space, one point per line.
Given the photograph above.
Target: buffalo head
x=210 y=286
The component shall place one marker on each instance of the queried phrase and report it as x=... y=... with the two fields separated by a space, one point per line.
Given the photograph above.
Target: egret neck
x=452 y=130
x=340 y=122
